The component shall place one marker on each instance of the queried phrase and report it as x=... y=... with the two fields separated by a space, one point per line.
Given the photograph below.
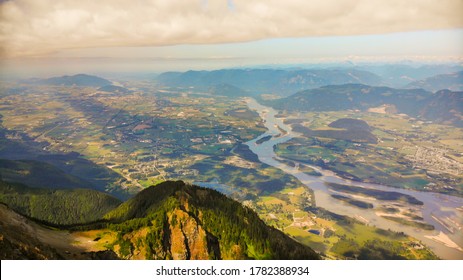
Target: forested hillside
x=57 y=206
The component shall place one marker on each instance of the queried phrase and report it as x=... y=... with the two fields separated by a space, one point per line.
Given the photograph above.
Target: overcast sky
x=241 y=31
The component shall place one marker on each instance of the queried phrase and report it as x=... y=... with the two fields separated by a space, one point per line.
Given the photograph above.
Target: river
x=442 y=241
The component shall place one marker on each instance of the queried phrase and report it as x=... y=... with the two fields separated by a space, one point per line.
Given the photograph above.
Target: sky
x=159 y=35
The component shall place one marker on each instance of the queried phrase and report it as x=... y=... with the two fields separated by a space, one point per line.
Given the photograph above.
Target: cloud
x=40 y=28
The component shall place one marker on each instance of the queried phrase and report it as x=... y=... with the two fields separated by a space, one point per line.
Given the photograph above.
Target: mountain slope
x=227 y=90
x=352 y=96
x=76 y=80
x=446 y=107
x=58 y=207
x=443 y=106
x=169 y=221
x=174 y=220
x=18 y=239
x=23 y=239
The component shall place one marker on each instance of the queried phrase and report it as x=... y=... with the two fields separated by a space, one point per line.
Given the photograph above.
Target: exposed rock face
x=190 y=237
x=182 y=238
x=174 y=220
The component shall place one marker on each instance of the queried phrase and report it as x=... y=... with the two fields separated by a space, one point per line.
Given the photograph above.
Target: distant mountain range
x=172 y=220
x=401 y=75
x=453 y=81
x=284 y=82
x=75 y=80
x=444 y=106
x=258 y=81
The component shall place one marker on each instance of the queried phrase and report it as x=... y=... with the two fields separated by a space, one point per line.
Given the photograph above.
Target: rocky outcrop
x=190 y=237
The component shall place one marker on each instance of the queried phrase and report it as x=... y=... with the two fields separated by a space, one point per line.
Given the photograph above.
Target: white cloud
x=35 y=28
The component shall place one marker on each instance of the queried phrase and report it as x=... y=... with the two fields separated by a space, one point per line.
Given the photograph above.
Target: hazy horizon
x=40 y=39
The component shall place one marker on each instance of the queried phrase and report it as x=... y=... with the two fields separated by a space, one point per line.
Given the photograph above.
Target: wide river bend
x=444 y=243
